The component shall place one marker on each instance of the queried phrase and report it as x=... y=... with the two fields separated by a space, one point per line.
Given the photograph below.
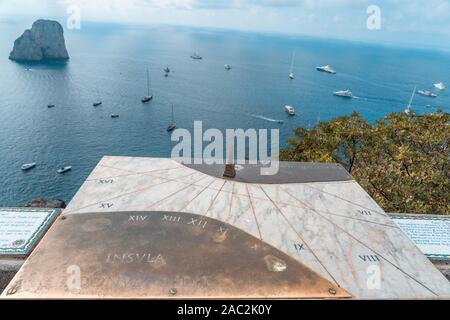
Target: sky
x=419 y=22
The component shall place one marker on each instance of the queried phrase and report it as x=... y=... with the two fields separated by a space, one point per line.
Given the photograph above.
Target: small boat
x=291 y=71
x=440 y=86
x=408 y=109
x=227 y=67
x=344 y=94
x=196 y=56
x=50 y=106
x=97 y=104
x=149 y=96
x=64 y=170
x=427 y=93
x=114 y=115
x=172 y=126
x=290 y=110
x=28 y=166
x=326 y=69
x=166 y=71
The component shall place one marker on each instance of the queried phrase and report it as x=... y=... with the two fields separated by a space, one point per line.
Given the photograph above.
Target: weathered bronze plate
x=161 y=255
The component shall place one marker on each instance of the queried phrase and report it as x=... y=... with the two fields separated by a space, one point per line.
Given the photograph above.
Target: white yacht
x=440 y=86
x=408 y=109
x=344 y=94
x=28 y=166
x=290 y=110
x=327 y=69
x=64 y=170
x=227 y=67
x=427 y=93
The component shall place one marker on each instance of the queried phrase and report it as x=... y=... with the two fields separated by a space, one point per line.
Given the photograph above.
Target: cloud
x=336 y=18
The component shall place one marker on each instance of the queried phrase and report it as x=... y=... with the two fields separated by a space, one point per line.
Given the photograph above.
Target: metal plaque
x=431 y=234
x=161 y=255
x=22 y=228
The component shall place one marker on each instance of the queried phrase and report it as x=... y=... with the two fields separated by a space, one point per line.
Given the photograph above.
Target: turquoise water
x=110 y=61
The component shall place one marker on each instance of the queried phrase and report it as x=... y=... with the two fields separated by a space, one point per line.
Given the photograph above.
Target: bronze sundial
x=161 y=255
x=155 y=228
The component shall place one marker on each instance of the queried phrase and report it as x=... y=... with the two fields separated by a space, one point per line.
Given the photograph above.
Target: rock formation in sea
x=44 y=41
x=44 y=203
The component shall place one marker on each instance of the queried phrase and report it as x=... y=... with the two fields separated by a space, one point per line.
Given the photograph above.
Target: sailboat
x=409 y=110
x=149 y=95
x=172 y=126
x=196 y=56
x=291 y=72
x=98 y=102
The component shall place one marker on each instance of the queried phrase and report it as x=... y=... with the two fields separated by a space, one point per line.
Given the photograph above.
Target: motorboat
x=114 y=115
x=64 y=170
x=427 y=93
x=227 y=67
x=440 y=86
x=97 y=104
x=326 y=69
x=28 y=166
x=344 y=94
x=50 y=106
x=290 y=110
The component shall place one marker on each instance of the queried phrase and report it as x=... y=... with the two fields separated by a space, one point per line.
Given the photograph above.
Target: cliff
x=44 y=41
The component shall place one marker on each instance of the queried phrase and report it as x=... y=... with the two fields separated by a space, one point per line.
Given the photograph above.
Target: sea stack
x=44 y=41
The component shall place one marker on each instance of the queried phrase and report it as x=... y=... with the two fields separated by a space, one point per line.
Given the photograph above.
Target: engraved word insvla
x=129 y=258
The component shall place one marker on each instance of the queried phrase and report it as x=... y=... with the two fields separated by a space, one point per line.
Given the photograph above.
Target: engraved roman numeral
x=365 y=212
x=106 y=205
x=169 y=218
x=370 y=258
x=222 y=230
x=299 y=247
x=137 y=218
x=198 y=223
x=106 y=181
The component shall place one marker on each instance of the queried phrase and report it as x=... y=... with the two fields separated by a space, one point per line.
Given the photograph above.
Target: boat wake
x=266 y=118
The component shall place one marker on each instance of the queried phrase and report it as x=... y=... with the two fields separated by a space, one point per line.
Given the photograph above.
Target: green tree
x=401 y=160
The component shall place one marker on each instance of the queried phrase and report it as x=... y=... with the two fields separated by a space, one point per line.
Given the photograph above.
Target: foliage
x=401 y=160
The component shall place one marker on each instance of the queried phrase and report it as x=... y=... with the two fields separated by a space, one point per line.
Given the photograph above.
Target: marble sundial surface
x=333 y=228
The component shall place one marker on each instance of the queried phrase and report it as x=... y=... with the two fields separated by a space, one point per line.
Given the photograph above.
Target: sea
x=109 y=62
